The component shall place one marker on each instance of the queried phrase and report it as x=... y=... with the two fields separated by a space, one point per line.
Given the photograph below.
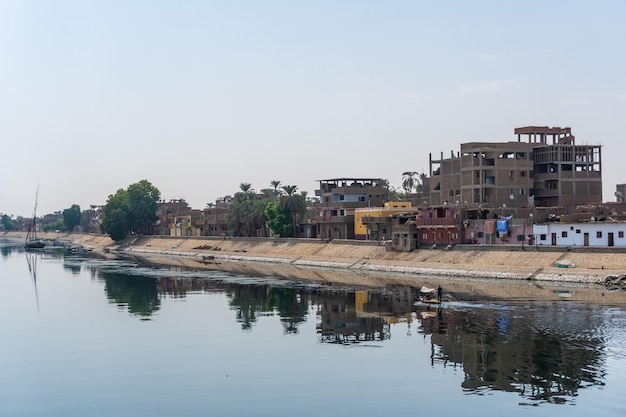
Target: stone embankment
x=533 y=264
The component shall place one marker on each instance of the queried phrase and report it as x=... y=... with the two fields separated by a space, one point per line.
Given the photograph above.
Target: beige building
x=374 y=223
x=340 y=197
x=535 y=172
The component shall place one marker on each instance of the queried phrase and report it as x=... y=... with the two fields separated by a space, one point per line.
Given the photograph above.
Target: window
x=342 y=212
x=480 y=234
x=620 y=234
x=564 y=233
x=598 y=234
x=341 y=197
x=522 y=191
x=425 y=236
x=542 y=237
x=577 y=231
x=522 y=173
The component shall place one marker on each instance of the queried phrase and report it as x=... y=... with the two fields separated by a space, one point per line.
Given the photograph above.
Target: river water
x=82 y=336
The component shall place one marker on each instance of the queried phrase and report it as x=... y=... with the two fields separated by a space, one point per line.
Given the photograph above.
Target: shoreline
x=479 y=274
x=591 y=267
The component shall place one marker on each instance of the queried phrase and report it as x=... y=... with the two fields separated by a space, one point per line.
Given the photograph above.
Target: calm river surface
x=89 y=337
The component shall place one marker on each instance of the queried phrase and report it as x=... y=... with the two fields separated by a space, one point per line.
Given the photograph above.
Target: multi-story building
x=216 y=218
x=177 y=218
x=339 y=197
x=374 y=223
x=565 y=174
x=519 y=174
x=490 y=174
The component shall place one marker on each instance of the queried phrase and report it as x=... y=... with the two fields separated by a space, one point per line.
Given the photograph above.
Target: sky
x=198 y=97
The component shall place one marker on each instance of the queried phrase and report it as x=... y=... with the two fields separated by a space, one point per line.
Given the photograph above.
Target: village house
x=340 y=197
x=216 y=218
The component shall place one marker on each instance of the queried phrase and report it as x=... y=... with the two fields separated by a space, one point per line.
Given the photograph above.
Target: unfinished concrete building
x=566 y=174
x=520 y=174
x=339 y=197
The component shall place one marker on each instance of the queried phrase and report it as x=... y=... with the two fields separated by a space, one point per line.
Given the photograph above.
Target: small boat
x=564 y=264
x=428 y=296
x=32 y=240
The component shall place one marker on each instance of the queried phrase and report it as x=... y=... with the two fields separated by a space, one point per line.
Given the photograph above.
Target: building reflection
x=509 y=349
x=543 y=353
x=347 y=317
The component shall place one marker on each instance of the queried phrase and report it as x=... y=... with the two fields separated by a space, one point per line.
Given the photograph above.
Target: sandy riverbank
x=536 y=265
x=466 y=274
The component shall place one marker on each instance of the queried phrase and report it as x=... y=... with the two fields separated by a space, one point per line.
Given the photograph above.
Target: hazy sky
x=200 y=96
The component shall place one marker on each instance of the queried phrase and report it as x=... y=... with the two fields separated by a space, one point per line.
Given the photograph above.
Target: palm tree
x=246 y=187
x=409 y=181
x=258 y=218
x=234 y=216
x=275 y=184
x=295 y=203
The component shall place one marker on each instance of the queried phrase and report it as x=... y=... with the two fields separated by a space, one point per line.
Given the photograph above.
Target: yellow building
x=390 y=208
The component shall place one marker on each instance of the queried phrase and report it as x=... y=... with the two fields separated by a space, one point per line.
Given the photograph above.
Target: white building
x=596 y=233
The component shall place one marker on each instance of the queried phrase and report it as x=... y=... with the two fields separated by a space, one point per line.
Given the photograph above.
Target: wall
x=573 y=234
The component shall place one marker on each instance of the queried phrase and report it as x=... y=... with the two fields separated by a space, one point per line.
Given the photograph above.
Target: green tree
x=7 y=223
x=279 y=219
x=258 y=218
x=275 y=184
x=243 y=214
x=115 y=217
x=143 y=199
x=130 y=210
x=71 y=217
x=392 y=193
x=246 y=188
x=409 y=181
x=295 y=204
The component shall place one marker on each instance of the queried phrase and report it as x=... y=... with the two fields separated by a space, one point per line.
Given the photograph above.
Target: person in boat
x=439 y=293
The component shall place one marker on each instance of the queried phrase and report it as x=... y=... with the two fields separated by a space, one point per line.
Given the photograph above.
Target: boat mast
x=32 y=227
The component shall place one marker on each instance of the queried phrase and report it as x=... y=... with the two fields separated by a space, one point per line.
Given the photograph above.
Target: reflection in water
x=33 y=259
x=544 y=352
x=6 y=250
x=138 y=294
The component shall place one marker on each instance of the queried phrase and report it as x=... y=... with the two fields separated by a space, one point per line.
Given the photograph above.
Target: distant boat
x=32 y=240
